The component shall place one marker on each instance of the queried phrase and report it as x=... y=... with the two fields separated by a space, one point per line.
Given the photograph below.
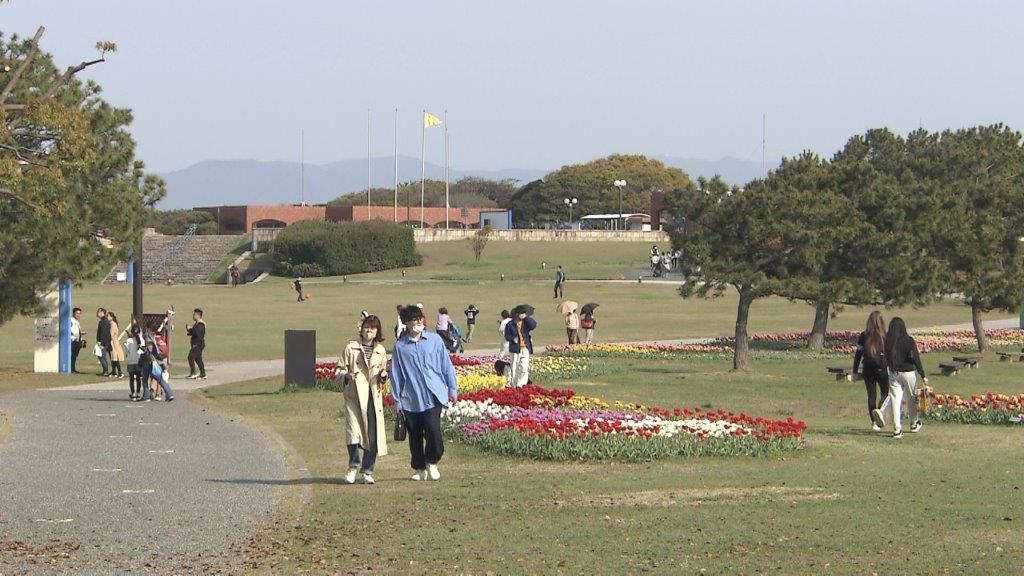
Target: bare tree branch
x=28 y=60
x=10 y=194
x=71 y=71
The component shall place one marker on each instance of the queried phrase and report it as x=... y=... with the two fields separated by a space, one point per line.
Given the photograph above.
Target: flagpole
x=396 y=164
x=446 y=170
x=369 y=178
x=423 y=163
x=302 y=166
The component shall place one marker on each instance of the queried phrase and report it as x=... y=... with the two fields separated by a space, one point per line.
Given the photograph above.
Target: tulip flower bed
x=771 y=344
x=537 y=422
x=988 y=408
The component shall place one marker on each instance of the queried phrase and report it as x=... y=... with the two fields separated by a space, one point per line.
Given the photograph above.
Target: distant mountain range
x=233 y=182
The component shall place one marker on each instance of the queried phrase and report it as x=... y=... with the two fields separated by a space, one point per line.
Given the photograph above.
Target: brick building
x=243 y=219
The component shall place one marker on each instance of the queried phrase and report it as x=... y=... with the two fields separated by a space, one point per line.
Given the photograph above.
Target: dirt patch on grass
x=698 y=496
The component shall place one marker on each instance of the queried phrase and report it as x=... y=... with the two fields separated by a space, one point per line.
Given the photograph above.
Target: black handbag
x=400 y=430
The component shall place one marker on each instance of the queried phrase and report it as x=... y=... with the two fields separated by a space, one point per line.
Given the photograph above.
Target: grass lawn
x=248 y=322
x=852 y=502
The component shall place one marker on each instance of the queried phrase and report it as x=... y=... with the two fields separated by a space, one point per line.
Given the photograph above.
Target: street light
x=570 y=204
x=620 y=184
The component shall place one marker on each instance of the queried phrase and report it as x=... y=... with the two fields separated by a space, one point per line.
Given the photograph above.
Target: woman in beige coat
x=116 y=350
x=362 y=368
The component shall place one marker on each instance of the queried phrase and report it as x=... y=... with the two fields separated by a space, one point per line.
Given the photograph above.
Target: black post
x=137 y=307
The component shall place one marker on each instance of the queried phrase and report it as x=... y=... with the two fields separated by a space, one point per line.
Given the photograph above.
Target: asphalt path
x=91 y=483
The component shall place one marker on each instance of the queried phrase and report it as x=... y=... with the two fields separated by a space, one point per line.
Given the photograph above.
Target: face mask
x=369 y=334
x=417 y=328
x=522 y=316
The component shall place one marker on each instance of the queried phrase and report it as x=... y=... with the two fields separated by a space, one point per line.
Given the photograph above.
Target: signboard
x=47 y=352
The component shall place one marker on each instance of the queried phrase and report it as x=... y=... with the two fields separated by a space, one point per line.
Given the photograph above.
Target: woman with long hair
x=904 y=364
x=363 y=367
x=870 y=349
x=116 y=350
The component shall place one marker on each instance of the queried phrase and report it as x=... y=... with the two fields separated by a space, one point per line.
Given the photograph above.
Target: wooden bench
x=971 y=360
x=843 y=373
x=1011 y=356
x=951 y=368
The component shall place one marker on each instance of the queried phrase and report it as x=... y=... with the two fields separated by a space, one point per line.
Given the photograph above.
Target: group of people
x=423 y=383
x=889 y=363
x=663 y=262
x=575 y=321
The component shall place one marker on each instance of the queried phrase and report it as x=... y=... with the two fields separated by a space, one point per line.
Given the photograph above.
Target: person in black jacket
x=904 y=364
x=103 y=339
x=870 y=347
x=197 y=340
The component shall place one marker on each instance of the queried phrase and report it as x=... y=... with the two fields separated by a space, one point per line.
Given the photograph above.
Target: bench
x=1011 y=356
x=951 y=368
x=971 y=360
x=843 y=373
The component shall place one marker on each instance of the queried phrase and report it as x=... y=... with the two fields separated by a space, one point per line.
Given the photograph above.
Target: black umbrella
x=523 y=308
x=588 y=308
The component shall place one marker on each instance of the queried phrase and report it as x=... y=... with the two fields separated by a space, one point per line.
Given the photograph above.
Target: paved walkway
x=91 y=483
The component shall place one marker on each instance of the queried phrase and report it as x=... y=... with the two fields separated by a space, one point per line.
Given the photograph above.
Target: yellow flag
x=430 y=120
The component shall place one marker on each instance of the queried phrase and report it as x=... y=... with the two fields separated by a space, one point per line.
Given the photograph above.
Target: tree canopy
x=469 y=191
x=592 y=184
x=73 y=197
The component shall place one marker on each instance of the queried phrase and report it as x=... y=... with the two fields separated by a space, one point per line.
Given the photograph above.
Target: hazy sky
x=536 y=84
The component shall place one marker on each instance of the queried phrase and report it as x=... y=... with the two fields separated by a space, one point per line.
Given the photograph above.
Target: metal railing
x=150 y=272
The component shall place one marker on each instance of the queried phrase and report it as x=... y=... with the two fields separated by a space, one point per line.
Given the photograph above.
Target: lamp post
x=620 y=184
x=570 y=203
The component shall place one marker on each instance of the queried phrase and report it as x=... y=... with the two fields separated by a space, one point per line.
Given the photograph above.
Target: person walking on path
x=362 y=368
x=131 y=347
x=77 y=341
x=233 y=275
x=870 y=347
x=589 y=323
x=298 y=289
x=103 y=340
x=442 y=320
x=559 y=280
x=506 y=317
x=470 y=313
x=904 y=364
x=197 y=341
x=572 y=326
x=520 y=345
x=422 y=383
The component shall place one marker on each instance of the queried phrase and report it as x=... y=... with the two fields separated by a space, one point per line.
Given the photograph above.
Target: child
x=131 y=347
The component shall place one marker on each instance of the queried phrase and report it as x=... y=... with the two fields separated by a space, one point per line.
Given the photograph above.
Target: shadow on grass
x=850 y=431
x=277 y=482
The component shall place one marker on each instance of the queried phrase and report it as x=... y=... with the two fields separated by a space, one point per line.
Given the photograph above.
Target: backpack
x=587 y=323
x=161 y=345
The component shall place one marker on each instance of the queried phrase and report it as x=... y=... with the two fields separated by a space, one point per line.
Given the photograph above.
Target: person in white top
x=77 y=342
x=505 y=319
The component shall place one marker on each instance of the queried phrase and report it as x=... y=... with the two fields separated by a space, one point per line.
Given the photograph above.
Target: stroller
x=452 y=338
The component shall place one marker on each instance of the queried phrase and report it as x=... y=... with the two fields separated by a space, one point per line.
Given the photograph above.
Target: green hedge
x=317 y=248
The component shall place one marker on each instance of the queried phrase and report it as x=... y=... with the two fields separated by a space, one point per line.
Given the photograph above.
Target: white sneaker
x=420 y=475
x=916 y=427
x=876 y=417
x=876 y=428
x=350 y=476
x=433 y=472
x=367 y=478
x=192 y=376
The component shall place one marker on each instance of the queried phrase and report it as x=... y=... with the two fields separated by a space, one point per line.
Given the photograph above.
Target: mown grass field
x=248 y=322
x=947 y=500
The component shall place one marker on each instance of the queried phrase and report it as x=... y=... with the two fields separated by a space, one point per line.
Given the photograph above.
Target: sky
x=535 y=84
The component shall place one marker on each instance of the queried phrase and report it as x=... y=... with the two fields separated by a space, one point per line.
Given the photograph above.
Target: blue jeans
x=369 y=458
x=155 y=371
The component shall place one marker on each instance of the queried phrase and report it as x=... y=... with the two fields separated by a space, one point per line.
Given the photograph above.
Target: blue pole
x=131 y=271
x=64 y=347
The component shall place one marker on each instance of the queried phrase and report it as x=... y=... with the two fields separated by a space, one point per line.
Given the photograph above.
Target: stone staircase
x=193 y=265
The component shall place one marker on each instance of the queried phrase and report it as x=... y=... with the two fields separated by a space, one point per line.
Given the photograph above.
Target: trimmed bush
x=317 y=248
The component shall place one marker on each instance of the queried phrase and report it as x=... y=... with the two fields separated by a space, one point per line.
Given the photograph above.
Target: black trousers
x=195 y=357
x=76 y=347
x=875 y=378
x=558 y=289
x=426 y=445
